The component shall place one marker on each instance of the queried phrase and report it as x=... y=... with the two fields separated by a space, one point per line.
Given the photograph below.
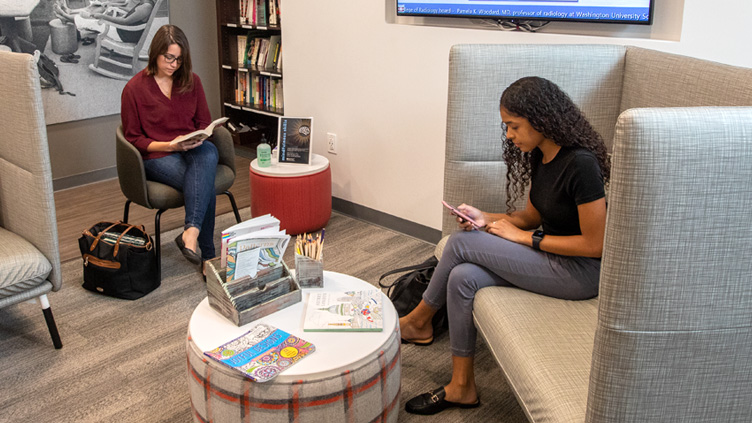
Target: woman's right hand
x=472 y=213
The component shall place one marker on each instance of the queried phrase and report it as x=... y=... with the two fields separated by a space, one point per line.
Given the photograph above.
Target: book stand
x=247 y=299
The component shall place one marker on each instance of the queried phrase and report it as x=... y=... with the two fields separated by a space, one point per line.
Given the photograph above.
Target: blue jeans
x=192 y=172
x=474 y=259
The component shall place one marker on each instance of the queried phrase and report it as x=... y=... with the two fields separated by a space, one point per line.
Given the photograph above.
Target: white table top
x=13 y=8
x=335 y=351
x=318 y=164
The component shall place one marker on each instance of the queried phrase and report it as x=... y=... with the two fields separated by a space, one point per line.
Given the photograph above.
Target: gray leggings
x=473 y=260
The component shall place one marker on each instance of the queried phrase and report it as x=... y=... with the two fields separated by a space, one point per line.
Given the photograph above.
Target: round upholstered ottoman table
x=351 y=377
x=299 y=195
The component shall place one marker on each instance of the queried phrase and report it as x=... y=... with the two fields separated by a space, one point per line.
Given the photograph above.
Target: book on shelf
x=242 y=42
x=294 y=139
x=344 y=311
x=200 y=134
x=261 y=15
x=256 y=224
x=271 y=52
x=262 y=353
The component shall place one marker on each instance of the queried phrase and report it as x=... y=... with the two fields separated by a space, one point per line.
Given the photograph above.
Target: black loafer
x=189 y=254
x=433 y=402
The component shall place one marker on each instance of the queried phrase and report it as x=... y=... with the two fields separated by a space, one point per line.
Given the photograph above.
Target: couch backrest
x=656 y=79
x=674 y=335
x=474 y=171
x=27 y=206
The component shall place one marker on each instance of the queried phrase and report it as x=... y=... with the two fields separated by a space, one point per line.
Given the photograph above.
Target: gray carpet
x=124 y=361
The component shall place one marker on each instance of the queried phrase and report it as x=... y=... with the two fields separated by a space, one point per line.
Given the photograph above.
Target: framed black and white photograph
x=87 y=49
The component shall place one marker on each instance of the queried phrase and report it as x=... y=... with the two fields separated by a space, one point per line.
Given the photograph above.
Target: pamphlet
x=256 y=224
x=295 y=139
x=250 y=253
x=344 y=311
x=262 y=353
x=200 y=134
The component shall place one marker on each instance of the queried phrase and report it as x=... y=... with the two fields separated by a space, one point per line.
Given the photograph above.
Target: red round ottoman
x=300 y=196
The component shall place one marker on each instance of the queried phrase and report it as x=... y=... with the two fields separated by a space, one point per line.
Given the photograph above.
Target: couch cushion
x=544 y=347
x=20 y=262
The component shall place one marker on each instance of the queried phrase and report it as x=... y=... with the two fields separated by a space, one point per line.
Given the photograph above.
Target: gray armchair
x=154 y=195
x=29 y=254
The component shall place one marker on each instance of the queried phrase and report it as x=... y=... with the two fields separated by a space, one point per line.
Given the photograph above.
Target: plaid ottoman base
x=367 y=393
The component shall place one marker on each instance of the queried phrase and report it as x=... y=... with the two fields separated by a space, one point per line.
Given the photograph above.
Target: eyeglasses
x=170 y=59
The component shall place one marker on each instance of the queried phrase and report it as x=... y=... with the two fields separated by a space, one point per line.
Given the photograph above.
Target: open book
x=200 y=134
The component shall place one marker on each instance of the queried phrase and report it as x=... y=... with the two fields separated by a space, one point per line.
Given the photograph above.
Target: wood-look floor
x=81 y=207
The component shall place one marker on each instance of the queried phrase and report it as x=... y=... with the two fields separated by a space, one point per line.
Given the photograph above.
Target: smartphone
x=460 y=214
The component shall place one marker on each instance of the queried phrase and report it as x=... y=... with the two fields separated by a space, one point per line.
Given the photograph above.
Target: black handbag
x=407 y=291
x=119 y=260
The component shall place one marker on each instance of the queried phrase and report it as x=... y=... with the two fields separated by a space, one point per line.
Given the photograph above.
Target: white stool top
x=318 y=164
x=335 y=351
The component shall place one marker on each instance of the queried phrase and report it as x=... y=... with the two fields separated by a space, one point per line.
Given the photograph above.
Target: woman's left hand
x=504 y=229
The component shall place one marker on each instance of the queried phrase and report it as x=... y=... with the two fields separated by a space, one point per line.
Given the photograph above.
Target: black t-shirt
x=572 y=178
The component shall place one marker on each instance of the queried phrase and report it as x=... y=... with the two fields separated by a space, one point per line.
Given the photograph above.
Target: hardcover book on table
x=262 y=353
x=344 y=311
x=295 y=139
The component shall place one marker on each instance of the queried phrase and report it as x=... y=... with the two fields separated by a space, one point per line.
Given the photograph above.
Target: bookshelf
x=250 y=60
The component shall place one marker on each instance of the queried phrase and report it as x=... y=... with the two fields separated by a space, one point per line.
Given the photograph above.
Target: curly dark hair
x=551 y=112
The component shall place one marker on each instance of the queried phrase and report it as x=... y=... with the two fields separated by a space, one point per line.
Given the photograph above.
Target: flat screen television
x=606 y=11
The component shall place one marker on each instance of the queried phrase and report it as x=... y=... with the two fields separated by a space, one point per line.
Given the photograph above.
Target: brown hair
x=163 y=39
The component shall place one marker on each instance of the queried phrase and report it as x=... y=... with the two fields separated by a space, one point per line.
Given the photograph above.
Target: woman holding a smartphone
x=549 y=144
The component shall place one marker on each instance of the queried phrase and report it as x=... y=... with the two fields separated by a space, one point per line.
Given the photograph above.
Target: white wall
x=381 y=87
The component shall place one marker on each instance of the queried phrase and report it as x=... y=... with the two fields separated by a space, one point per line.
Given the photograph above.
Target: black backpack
x=49 y=73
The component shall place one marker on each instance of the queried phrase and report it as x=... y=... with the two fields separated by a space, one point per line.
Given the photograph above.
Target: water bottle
x=264 y=153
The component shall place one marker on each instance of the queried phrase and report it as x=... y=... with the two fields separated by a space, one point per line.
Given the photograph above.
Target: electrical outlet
x=331 y=143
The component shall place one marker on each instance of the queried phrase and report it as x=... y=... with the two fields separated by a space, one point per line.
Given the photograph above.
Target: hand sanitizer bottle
x=275 y=156
x=264 y=153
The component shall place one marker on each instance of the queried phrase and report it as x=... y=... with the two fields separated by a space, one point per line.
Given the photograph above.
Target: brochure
x=294 y=140
x=250 y=253
x=344 y=311
x=256 y=224
x=262 y=353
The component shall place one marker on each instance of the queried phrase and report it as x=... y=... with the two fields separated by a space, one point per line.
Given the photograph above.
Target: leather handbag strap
x=99 y=235
x=117 y=243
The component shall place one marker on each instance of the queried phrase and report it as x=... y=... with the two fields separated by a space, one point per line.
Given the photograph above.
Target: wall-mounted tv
x=605 y=11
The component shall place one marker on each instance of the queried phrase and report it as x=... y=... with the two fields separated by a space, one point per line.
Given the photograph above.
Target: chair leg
x=234 y=206
x=125 y=210
x=158 y=243
x=50 y=322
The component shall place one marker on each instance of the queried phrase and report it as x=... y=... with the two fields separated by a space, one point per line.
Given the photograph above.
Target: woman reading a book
x=548 y=143
x=161 y=103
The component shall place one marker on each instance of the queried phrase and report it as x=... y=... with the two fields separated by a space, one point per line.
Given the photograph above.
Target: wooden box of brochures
x=248 y=299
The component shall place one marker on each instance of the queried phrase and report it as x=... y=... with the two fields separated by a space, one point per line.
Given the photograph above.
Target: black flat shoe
x=418 y=342
x=189 y=254
x=433 y=402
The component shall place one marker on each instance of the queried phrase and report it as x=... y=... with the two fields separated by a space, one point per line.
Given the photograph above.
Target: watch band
x=537 y=238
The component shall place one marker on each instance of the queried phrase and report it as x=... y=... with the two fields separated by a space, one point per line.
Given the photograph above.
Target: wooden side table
x=300 y=196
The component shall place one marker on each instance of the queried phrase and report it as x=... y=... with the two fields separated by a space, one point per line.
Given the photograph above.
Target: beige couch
x=29 y=255
x=670 y=337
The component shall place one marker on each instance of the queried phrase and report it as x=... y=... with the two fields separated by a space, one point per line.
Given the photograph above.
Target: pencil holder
x=309 y=272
